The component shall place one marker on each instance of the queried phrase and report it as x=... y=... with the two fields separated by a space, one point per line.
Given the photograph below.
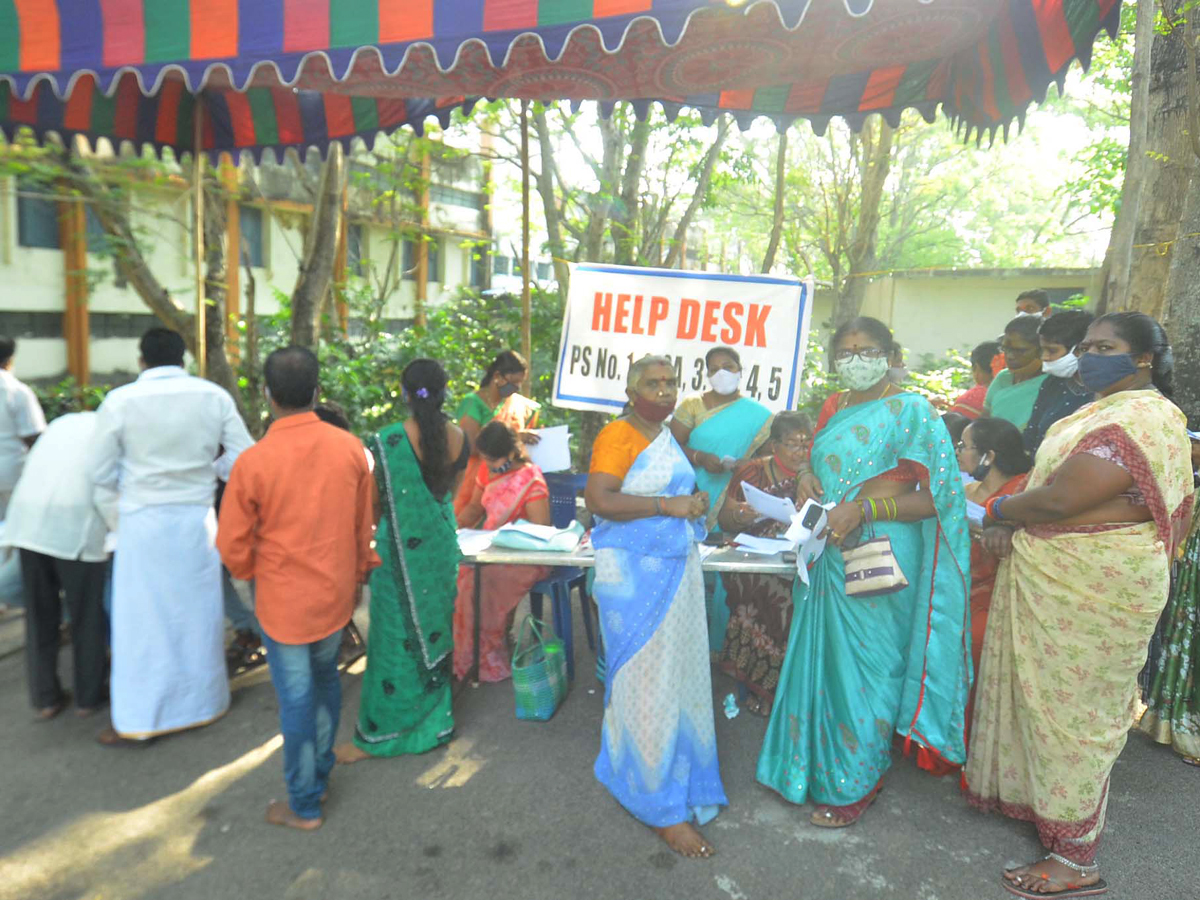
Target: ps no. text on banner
x=618 y=314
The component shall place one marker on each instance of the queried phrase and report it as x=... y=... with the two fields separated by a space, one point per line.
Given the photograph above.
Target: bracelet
x=895 y=510
x=658 y=507
x=992 y=507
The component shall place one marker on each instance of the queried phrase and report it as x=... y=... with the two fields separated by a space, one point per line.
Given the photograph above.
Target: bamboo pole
x=201 y=353
x=526 y=311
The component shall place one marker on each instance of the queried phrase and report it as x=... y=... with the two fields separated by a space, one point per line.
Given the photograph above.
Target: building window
x=433 y=250
x=251 y=218
x=26 y=325
x=499 y=265
x=516 y=267
x=97 y=240
x=449 y=196
x=478 y=267
x=543 y=271
x=37 y=219
x=354 y=251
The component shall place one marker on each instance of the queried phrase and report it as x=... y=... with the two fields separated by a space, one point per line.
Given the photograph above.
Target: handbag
x=539 y=672
x=871 y=566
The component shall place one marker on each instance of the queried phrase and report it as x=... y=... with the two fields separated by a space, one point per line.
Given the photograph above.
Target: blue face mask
x=1098 y=372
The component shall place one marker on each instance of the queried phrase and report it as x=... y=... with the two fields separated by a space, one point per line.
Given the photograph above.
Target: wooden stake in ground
x=201 y=353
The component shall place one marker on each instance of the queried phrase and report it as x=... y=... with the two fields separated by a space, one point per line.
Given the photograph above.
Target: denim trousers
x=310 y=700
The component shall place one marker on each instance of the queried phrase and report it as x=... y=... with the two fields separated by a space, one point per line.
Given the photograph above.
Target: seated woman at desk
x=760 y=606
x=508 y=487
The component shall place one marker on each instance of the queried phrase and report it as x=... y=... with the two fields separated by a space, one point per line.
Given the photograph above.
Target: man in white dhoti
x=162 y=441
x=21 y=421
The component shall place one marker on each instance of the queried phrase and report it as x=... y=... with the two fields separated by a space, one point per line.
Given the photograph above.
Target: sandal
x=244 y=653
x=1191 y=761
x=828 y=816
x=109 y=738
x=1061 y=888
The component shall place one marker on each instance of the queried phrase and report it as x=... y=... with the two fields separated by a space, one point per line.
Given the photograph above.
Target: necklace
x=845 y=401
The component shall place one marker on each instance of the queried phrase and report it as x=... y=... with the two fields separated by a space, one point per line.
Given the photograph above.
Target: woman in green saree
x=406 y=695
x=1013 y=392
x=861 y=668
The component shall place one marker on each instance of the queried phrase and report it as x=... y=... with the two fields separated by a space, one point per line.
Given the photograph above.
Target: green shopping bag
x=539 y=671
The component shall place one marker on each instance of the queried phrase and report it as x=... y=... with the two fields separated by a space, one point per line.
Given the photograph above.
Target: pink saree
x=504 y=587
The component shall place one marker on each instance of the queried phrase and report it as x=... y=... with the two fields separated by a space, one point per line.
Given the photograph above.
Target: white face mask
x=860 y=374
x=725 y=382
x=1064 y=367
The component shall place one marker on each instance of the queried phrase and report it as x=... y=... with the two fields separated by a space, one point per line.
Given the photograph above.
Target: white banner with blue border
x=618 y=314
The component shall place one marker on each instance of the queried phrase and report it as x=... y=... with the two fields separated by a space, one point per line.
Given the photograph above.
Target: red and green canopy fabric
x=298 y=73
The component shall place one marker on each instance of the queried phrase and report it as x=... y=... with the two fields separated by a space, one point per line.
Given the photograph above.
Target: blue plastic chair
x=564 y=488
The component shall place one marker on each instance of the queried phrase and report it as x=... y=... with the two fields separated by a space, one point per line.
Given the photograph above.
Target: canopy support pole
x=526 y=313
x=201 y=353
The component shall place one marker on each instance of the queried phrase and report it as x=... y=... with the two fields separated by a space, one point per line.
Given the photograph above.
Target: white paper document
x=762 y=545
x=781 y=509
x=553 y=452
x=472 y=541
x=810 y=544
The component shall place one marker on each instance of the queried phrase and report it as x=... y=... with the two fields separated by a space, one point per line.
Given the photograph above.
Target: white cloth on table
x=168 y=621
x=54 y=507
x=158 y=439
x=21 y=417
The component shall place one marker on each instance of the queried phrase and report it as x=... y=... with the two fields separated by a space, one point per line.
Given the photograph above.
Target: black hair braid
x=424 y=382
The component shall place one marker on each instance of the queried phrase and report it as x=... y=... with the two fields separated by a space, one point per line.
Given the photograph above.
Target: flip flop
x=1090 y=890
x=1191 y=761
x=109 y=738
x=828 y=820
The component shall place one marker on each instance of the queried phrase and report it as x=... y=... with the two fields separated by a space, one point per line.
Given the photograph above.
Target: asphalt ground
x=508 y=810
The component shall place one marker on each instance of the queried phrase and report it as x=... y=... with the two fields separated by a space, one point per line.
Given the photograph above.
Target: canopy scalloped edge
x=426 y=110
x=288 y=67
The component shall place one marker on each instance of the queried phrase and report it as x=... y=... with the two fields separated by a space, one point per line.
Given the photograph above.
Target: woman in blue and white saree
x=658 y=753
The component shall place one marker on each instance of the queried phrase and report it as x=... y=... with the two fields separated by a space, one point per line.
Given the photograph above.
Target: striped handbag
x=539 y=672
x=872 y=569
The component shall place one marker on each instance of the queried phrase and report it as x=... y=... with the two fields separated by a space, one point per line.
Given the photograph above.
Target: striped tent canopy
x=301 y=73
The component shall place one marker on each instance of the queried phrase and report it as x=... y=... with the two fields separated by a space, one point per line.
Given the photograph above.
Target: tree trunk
x=876 y=162
x=545 y=186
x=777 y=221
x=625 y=218
x=1118 y=258
x=320 y=248
x=219 y=369
x=1160 y=188
x=703 y=179
x=1183 y=304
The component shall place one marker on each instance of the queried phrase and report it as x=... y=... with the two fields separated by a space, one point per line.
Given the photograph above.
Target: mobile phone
x=715 y=540
x=812 y=517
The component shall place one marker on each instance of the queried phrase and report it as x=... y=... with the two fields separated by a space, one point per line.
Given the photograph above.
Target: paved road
x=508 y=810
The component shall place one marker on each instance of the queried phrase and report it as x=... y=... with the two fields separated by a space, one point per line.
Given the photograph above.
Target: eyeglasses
x=864 y=353
x=964 y=446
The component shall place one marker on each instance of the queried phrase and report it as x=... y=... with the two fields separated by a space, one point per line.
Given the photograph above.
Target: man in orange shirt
x=298 y=519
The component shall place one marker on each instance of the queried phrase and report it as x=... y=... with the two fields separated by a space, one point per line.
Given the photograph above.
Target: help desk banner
x=618 y=314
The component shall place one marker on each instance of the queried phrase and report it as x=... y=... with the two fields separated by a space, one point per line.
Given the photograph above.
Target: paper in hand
x=553 y=452
x=781 y=509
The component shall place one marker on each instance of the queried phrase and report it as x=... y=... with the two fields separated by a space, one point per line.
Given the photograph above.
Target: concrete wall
x=931 y=313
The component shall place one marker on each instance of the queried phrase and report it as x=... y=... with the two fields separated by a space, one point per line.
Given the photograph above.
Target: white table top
x=725 y=559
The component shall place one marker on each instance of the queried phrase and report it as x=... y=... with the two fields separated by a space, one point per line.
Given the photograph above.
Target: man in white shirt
x=163 y=441
x=21 y=421
x=55 y=524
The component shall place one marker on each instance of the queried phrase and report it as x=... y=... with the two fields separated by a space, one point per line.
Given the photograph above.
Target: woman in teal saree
x=719 y=431
x=860 y=669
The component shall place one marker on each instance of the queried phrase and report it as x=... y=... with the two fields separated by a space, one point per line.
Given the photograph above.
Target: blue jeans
x=310 y=701
x=239 y=615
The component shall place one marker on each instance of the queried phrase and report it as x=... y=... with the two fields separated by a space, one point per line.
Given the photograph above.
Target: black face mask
x=507 y=390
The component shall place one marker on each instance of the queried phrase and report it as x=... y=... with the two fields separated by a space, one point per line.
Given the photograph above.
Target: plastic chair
x=564 y=488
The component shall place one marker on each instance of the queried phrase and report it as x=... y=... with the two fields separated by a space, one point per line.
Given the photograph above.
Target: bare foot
x=1049 y=877
x=349 y=753
x=46 y=713
x=685 y=840
x=109 y=738
x=279 y=813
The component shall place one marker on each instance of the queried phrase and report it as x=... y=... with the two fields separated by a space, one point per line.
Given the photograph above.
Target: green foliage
x=68 y=396
x=941 y=380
